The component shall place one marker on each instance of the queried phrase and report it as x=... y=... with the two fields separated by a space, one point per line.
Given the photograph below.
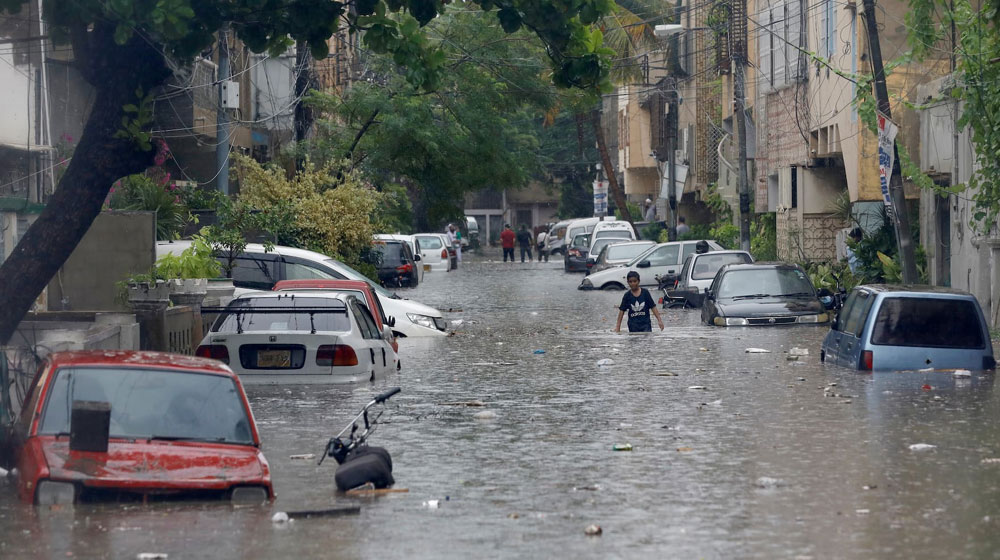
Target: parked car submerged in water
x=107 y=424
x=308 y=337
x=884 y=327
x=698 y=272
x=663 y=259
x=762 y=294
x=396 y=262
x=615 y=252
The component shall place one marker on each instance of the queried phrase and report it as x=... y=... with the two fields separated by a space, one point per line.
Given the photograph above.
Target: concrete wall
x=118 y=244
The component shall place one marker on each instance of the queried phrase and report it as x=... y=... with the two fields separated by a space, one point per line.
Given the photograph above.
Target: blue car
x=885 y=327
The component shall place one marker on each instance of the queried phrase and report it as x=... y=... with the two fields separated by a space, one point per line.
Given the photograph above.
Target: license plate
x=274 y=358
x=427 y=267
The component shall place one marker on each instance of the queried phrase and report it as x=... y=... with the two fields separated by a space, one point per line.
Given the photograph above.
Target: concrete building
x=534 y=205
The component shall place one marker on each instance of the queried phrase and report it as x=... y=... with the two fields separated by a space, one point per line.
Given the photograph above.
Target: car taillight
x=404 y=269
x=676 y=283
x=867 y=359
x=574 y=252
x=214 y=351
x=336 y=355
x=444 y=254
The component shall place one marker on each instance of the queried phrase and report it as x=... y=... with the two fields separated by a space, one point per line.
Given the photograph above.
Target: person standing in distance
x=507 y=242
x=525 y=241
x=543 y=236
x=638 y=304
x=682 y=226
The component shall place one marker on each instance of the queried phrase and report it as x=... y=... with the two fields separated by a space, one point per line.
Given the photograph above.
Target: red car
x=119 y=424
x=358 y=287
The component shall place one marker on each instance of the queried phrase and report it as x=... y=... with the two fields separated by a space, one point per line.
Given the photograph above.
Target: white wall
x=17 y=103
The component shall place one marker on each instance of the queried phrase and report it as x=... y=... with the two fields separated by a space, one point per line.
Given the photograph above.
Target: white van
x=583 y=225
x=257 y=269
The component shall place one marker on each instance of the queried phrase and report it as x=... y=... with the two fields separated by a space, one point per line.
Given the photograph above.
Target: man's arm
x=618 y=325
x=658 y=318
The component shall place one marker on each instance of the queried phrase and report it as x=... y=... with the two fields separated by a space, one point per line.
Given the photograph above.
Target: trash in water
x=862 y=511
x=768 y=482
x=926 y=369
x=280 y=517
x=665 y=374
x=302 y=457
x=605 y=362
x=457 y=322
x=926 y=387
x=869 y=486
x=485 y=415
x=757 y=351
x=799 y=352
x=621 y=447
x=432 y=504
x=593 y=531
x=991 y=461
x=593 y=488
x=922 y=447
x=539 y=351
x=703 y=349
x=697 y=388
x=152 y=556
x=464 y=403
x=962 y=373
x=684 y=449
x=513 y=515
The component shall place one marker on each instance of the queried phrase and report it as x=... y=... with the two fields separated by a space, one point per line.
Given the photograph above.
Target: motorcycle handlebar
x=385 y=396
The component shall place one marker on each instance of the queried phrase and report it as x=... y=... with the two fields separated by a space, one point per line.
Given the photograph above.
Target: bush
x=140 y=192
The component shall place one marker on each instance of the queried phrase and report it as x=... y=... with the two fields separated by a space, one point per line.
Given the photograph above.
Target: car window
x=390 y=254
x=146 y=403
x=664 y=256
x=365 y=327
x=430 y=243
x=257 y=271
x=581 y=241
x=297 y=271
x=855 y=312
x=931 y=322
x=689 y=248
x=622 y=252
x=31 y=400
x=239 y=315
x=684 y=270
x=365 y=315
x=599 y=245
x=707 y=265
x=615 y=233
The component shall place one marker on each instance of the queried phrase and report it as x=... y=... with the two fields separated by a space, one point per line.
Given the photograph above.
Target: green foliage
x=143 y=193
x=764 y=237
x=830 y=276
x=137 y=120
x=197 y=261
x=236 y=221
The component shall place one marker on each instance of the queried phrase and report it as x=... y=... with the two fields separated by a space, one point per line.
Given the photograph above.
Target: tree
x=127 y=48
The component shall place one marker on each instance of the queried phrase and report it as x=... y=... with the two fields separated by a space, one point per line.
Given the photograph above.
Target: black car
x=576 y=254
x=396 y=263
x=762 y=294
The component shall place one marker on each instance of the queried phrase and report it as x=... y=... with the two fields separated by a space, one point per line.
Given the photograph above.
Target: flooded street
x=734 y=455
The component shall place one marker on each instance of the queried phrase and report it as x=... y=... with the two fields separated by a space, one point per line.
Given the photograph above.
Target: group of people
x=524 y=240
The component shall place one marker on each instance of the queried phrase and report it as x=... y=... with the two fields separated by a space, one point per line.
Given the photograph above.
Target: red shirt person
x=507 y=242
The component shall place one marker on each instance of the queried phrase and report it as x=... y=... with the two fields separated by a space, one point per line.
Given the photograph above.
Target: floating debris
x=605 y=362
x=593 y=488
x=621 y=447
x=302 y=457
x=799 y=352
x=697 y=388
x=684 y=449
x=962 y=373
x=432 y=504
x=665 y=374
x=769 y=482
x=152 y=556
x=757 y=351
x=593 y=531
x=539 y=351
x=991 y=461
x=485 y=415
x=922 y=447
x=279 y=517
x=464 y=403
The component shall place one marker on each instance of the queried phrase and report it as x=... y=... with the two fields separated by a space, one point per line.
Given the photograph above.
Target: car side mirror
x=709 y=294
x=826 y=298
x=391 y=321
x=644 y=264
x=416 y=258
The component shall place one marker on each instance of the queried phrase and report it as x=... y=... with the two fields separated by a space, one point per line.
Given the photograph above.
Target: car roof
x=913 y=289
x=332 y=294
x=144 y=358
x=320 y=284
x=757 y=265
x=280 y=250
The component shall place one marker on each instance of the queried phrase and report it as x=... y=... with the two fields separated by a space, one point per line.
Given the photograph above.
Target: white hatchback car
x=434 y=254
x=663 y=259
x=414 y=248
x=285 y=337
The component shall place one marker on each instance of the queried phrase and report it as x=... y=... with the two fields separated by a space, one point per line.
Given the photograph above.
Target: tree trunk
x=609 y=170
x=100 y=159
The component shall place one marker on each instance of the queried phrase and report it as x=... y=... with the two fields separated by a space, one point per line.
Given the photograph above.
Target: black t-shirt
x=524 y=237
x=638 y=310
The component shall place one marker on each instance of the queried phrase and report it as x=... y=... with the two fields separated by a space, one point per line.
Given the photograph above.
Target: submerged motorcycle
x=361 y=464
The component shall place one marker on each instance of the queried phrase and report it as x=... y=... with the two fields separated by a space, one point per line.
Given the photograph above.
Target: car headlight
x=730 y=321
x=820 y=318
x=422 y=320
x=50 y=493
x=586 y=283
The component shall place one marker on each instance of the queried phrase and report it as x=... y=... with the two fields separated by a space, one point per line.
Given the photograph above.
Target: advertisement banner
x=886 y=140
x=600 y=198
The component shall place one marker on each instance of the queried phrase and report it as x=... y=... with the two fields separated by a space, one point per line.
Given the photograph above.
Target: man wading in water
x=638 y=303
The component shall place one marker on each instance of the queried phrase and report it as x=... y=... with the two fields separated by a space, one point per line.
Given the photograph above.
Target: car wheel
x=611 y=286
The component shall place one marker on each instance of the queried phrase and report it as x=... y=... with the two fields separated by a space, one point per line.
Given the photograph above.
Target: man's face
x=633 y=283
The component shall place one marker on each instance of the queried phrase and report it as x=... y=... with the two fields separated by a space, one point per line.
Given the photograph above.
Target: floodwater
x=769 y=458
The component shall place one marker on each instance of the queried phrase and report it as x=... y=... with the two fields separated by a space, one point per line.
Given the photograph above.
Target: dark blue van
x=884 y=327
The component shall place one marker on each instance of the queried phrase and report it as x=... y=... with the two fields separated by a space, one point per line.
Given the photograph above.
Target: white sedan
x=434 y=251
x=283 y=337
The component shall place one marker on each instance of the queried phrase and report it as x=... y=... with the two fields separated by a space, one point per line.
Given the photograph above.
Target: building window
x=795 y=187
x=827 y=29
x=778 y=42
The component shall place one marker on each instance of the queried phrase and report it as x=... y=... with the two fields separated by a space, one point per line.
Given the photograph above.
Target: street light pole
x=672 y=124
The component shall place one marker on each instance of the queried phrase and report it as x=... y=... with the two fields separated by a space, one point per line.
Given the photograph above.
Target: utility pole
x=304 y=82
x=222 y=117
x=672 y=124
x=738 y=54
x=900 y=218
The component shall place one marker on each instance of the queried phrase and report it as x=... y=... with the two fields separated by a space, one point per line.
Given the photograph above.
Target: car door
x=372 y=348
x=843 y=343
x=662 y=261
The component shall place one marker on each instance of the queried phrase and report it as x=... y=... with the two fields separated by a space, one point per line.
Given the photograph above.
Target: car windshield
x=707 y=265
x=642 y=255
x=933 y=322
x=430 y=242
x=600 y=244
x=148 y=403
x=391 y=252
x=764 y=282
x=615 y=233
x=581 y=241
x=626 y=251
x=321 y=314
x=352 y=274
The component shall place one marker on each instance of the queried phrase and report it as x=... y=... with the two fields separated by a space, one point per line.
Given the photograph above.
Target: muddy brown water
x=770 y=458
